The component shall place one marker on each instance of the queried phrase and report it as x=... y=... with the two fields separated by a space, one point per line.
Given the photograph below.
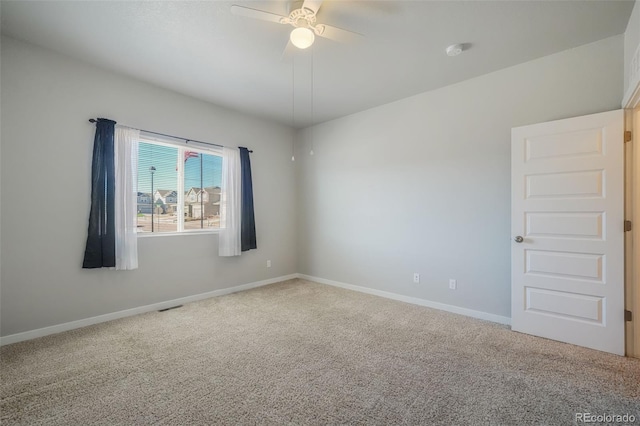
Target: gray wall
x=422 y=184
x=418 y=185
x=45 y=176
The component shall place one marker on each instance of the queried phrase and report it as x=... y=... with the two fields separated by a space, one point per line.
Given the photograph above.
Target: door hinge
x=627 y=136
x=627 y=315
x=627 y=226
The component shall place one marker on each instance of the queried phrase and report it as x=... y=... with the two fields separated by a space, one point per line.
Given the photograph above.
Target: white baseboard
x=414 y=300
x=59 y=328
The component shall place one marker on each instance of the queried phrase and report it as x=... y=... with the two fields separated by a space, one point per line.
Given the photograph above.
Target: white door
x=567 y=223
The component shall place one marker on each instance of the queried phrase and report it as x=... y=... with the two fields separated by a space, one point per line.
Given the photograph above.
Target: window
x=178 y=187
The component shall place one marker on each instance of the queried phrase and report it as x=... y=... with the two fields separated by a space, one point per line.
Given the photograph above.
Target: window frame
x=181 y=145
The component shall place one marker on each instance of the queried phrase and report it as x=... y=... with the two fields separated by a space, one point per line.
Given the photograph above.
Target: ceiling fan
x=303 y=20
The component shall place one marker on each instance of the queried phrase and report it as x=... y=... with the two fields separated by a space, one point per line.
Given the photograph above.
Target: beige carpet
x=304 y=353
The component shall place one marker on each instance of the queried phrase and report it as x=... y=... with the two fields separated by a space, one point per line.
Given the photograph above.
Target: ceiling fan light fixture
x=302 y=37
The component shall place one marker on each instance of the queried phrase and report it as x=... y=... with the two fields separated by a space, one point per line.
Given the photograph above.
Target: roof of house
x=208 y=189
x=166 y=192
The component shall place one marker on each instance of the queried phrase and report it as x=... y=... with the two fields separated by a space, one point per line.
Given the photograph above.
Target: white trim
x=631 y=101
x=59 y=328
x=179 y=233
x=413 y=300
x=632 y=97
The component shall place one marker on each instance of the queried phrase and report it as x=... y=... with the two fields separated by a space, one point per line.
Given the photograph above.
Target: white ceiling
x=200 y=49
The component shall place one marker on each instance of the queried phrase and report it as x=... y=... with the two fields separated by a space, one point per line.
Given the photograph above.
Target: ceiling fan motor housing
x=302 y=18
x=305 y=18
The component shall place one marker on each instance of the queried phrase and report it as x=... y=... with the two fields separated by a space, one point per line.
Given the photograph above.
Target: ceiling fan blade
x=312 y=5
x=255 y=14
x=338 y=34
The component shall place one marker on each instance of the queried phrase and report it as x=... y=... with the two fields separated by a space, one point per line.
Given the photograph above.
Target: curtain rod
x=93 y=120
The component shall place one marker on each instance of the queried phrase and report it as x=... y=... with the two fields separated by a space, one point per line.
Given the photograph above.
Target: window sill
x=176 y=234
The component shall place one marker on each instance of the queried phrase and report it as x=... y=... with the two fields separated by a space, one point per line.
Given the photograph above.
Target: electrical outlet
x=416 y=277
x=268 y=264
x=453 y=284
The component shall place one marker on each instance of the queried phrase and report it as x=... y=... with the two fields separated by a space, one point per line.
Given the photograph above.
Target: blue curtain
x=100 y=251
x=248 y=220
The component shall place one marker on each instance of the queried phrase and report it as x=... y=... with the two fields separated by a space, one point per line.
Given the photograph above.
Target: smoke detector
x=455 y=49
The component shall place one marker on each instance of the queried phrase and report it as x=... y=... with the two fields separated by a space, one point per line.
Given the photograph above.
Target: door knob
x=518 y=239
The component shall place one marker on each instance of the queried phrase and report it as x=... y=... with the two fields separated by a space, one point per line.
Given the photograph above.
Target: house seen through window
x=178 y=187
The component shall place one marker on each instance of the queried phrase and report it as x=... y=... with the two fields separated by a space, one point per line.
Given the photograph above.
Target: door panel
x=567 y=225
x=567 y=205
x=564 y=265
x=562 y=304
x=566 y=185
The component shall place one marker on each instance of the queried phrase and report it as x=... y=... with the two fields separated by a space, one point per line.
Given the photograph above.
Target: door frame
x=632 y=213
